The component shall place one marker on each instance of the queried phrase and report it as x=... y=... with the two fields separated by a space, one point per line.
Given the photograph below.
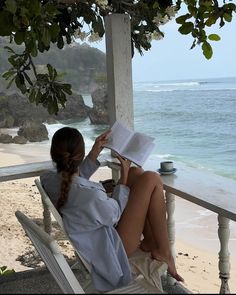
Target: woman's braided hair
x=67 y=151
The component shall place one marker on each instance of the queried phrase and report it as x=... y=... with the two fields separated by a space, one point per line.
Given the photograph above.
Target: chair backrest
x=51 y=255
x=57 y=216
x=48 y=202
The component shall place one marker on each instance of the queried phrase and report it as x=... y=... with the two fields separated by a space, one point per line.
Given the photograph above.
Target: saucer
x=167 y=172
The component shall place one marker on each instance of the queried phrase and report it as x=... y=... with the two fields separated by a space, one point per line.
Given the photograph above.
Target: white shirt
x=89 y=218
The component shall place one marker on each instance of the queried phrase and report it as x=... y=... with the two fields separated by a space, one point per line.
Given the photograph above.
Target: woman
x=107 y=230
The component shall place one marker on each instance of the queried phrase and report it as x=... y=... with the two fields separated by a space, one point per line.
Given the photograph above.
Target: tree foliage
x=37 y=24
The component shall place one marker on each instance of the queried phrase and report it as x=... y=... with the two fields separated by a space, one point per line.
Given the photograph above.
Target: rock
x=51 y=121
x=19 y=139
x=98 y=114
x=33 y=131
x=7 y=122
x=5 y=138
x=75 y=109
x=15 y=109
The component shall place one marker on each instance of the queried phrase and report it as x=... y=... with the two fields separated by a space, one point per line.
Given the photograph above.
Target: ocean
x=193 y=121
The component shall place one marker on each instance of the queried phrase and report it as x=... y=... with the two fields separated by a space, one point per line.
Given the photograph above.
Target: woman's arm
x=90 y=163
x=98 y=146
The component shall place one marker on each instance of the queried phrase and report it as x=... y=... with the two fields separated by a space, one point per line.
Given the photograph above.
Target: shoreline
x=195 y=258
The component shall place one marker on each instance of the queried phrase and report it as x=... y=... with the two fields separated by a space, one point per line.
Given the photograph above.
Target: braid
x=65 y=187
x=67 y=151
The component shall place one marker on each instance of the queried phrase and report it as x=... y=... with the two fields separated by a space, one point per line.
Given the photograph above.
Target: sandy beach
x=196 y=259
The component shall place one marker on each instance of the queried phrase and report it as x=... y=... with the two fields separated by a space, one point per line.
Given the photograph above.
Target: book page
x=139 y=148
x=119 y=137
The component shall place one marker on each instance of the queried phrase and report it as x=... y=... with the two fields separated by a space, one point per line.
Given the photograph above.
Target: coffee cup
x=166 y=166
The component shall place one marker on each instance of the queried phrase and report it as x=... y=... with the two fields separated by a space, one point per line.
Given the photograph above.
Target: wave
x=165 y=156
x=192 y=83
x=186 y=89
x=212 y=84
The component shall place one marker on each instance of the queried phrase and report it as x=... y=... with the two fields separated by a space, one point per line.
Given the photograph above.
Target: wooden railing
x=215 y=193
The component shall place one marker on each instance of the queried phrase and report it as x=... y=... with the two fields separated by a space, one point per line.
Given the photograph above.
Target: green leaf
x=52 y=107
x=8 y=74
x=214 y=37
x=211 y=21
x=207 y=50
x=192 y=9
x=3 y=268
x=19 y=37
x=186 y=28
x=66 y=88
x=54 y=31
x=6 y=24
x=181 y=19
x=227 y=17
x=5 y=272
x=60 y=42
x=11 y=6
x=46 y=37
x=34 y=7
x=32 y=95
x=50 y=71
x=34 y=50
x=231 y=6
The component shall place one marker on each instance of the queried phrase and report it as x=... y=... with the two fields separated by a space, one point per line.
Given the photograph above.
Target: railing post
x=170 y=207
x=47 y=221
x=224 y=263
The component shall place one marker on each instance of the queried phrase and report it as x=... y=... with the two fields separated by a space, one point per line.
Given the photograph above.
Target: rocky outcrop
x=19 y=139
x=5 y=138
x=98 y=114
x=33 y=131
x=15 y=110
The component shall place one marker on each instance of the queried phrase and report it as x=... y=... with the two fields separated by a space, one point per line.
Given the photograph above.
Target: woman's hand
x=98 y=145
x=125 y=165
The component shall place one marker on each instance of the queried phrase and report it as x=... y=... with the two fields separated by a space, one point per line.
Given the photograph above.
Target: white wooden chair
x=56 y=263
x=140 y=261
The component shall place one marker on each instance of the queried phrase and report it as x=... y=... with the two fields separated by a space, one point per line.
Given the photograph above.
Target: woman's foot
x=171 y=265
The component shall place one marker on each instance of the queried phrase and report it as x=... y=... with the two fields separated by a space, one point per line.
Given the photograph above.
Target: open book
x=134 y=146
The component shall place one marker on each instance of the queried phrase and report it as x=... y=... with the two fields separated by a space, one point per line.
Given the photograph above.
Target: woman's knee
x=152 y=176
x=134 y=173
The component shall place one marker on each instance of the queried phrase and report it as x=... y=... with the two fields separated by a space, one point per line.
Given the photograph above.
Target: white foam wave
x=52 y=128
x=165 y=156
x=161 y=90
x=192 y=83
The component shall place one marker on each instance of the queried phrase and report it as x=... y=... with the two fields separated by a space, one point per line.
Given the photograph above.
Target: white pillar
x=119 y=69
x=224 y=263
x=170 y=208
x=119 y=72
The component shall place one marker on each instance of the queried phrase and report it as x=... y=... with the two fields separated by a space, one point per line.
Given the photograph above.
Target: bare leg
x=146 y=202
x=148 y=244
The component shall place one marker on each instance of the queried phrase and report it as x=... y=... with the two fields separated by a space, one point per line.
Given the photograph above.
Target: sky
x=172 y=59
